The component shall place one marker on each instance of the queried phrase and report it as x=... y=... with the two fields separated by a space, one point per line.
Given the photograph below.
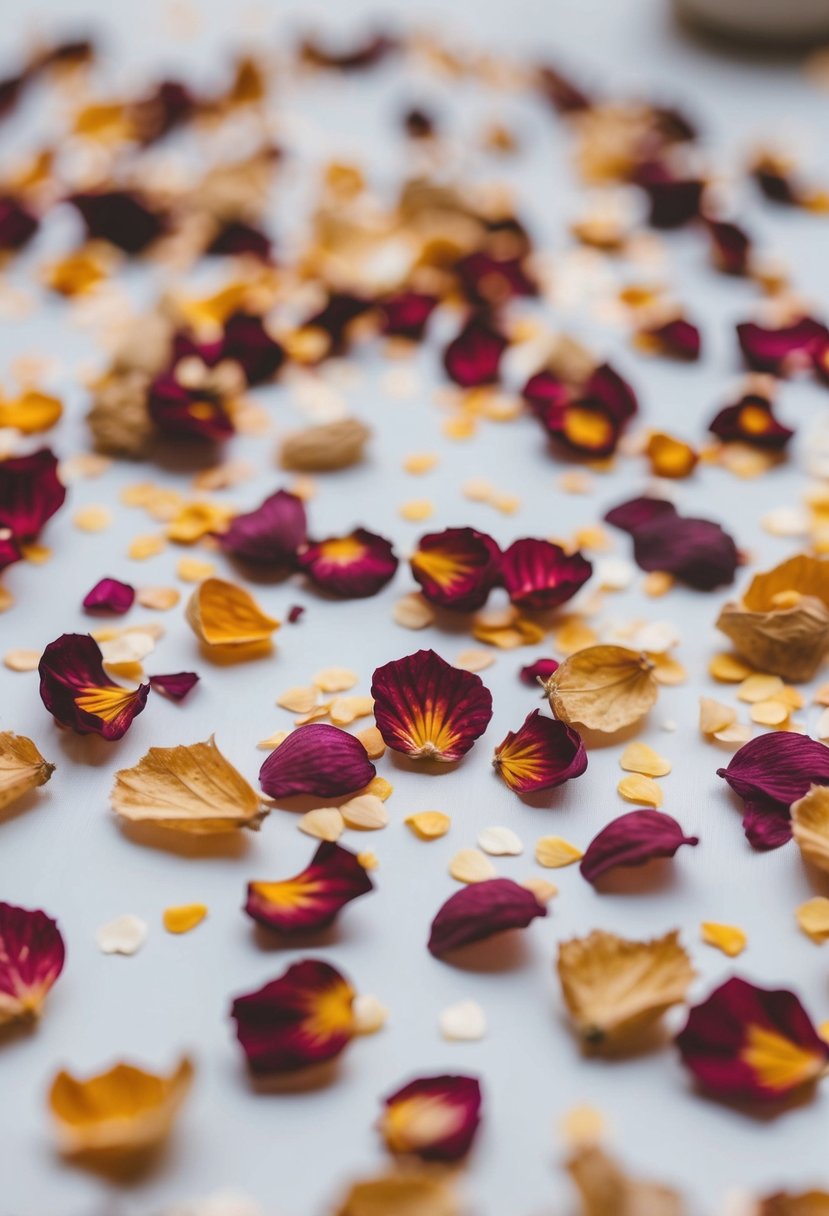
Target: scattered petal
x=325 y=823
x=728 y=938
x=770 y=773
x=79 y=694
x=604 y=688
x=479 y=911
x=463 y=1023
x=554 y=853
x=429 y=825
x=542 y=754
x=32 y=955
x=500 y=842
x=109 y=595
x=470 y=865
x=813 y=918
x=316 y=759
x=632 y=840
x=637 y=788
x=352 y=566
x=434 y=1118
x=312 y=899
x=124 y=935
x=183 y=917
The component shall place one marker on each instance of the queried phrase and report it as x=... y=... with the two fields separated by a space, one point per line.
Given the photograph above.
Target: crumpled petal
x=751 y=420
x=30 y=493
x=176 y=686
x=312 y=899
x=678 y=339
x=406 y=314
x=316 y=759
x=435 y=1118
x=731 y=247
x=301 y=1019
x=22 y=768
x=673 y=202
x=456 y=568
x=632 y=840
x=751 y=1043
x=245 y=340
x=110 y=595
x=777 y=350
x=187 y=413
x=78 y=692
x=428 y=709
x=480 y=910
x=540 y=575
x=270 y=535
x=540 y=755
x=474 y=356
x=696 y=551
x=770 y=773
x=17 y=224
x=121 y=217
x=540 y=670
x=353 y=566
x=32 y=954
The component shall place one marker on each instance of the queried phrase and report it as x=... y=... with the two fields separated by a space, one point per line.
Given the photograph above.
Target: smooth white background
x=64 y=852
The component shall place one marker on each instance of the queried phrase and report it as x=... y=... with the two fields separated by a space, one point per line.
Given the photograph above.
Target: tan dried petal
x=413 y=612
x=416 y=510
x=324 y=823
x=810 y=826
x=21 y=660
x=500 y=842
x=366 y=812
x=429 y=825
x=639 y=758
x=729 y=668
x=372 y=741
x=474 y=659
x=381 y=787
x=759 y=687
x=574 y=635
x=161 y=599
x=335 y=679
x=189 y=788
x=714 y=716
x=604 y=688
x=554 y=853
x=770 y=713
x=194 y=569
x=813 y=918
x=221 y=614
x=790 y=641
x=273 y=741
x=728 y=938
x=642 y=790
x=22 y=768
x=299 y=700
x=405 y=1193
x=324 y=448
x=542 y=888
x=471 y=865
x=345 y=710
x=94 y=518
x=733 y=736
x=605 y=1189
x=615 y=988
x=142 y=547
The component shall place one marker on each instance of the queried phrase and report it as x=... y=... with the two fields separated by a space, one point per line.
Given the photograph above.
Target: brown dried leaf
x=604 y=688
x=22 y=768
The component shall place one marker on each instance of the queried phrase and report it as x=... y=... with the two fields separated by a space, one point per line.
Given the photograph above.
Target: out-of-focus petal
x=184 y=412
x=540 y=575
x=540 y=670
x=120 y=217
x=474 y=356
x=17 y=224
x=312 y=899
x=730 y=247
x=270 y=535
x=30 y=493
x=750 y=420
x=632 y=840
x=434 y=1118
x=316 y=759
x=110 y=595
x=770 y=773
x=407 y=314
x=779 y=350
x=480 y=910
x=542 y=754
x=32 y=954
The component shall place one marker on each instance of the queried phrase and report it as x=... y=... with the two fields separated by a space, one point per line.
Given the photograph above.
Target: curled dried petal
x=176 y=686
x=542 y=754
x=540 y=575
x=435 y=1118
x=223 y=615
x=604 y=688
x=312 y=899
x=456 y=568
x=633 y=840
x=78 y=692
x=777 y=350
x=316 y=759
x=751 y=420
x=481 y=910
x=770 y=773
x=31 y=959
x=22 y=768
x=352 y=566
x=271 y=535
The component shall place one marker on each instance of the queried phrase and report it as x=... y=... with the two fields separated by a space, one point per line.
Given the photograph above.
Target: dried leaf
x=604 y=688
x=22 y=768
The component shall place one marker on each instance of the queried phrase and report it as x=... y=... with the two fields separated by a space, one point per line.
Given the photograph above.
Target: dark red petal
x=120 y=217
x=674 y=202
x=542 y=754
x=175 y=686
x=187 y=413
x=270 y=535
x=311 y=899
x=428 y=709
x=353 y=566
x=766 y=825
x=474 y=356
x=770 y=773
x=632 y=840
x=236 y=237
x=335 y=317
x=406 y=314
x=456 y=1104
x=638 y=512
x=78 y=692
x=248 y=342
x=539 y=575
x=294 y=613
x=605 y=387
x=30 y=493
x=10 y=551
x=544 y=392
x=775 y=350
x=750 y=420
x=110 y=595
x=679 y=339
x=730 y=247
x=32 y=955
x=481 y=910
x=316 y=759
x=541 y=669
x=562 y=94
x=456 y=568
x=17 y=224
x=696 y=551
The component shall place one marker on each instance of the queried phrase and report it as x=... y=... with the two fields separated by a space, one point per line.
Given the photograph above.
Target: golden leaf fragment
x=122 y=1111
x=189 y=788
x=728 y=938
x=604 y=688
x=554 y=853
x=615 y=989
x=810 y=826
x=605 y=1189
x=429 y=825
x=639 y=758
x=813 y=918
x=226 y=617
x=22 y=768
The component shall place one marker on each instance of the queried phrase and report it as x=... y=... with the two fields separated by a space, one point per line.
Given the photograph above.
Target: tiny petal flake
x=301 y=1019
x=633 y=840
x=539 y=671
x=750 y=1043
x=434 y=1118
x=456 y=568
x=272 y=535
x=176 y=686
x=540 y=575
x=30 y=493
x=770 y=773
x=481 y=910
x=312 y=899
x=316 y=759
x=541 y=754
x=32 y=954
x=428 y=709
x=78 y=692
x=110 y=595
x=353 y=566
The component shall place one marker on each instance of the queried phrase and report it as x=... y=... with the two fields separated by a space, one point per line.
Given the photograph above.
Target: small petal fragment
x=22 y=768
x=810 y=825
x=480 y=911
x=176 y=686
x=728 y=938
x=110 y=595
x=813 y=918
x=124 y=935
x=554 y=853
x=542 y=754
x=183 y=917
x=463 y=1023
x=78 y=692
x=32 y=954
x=632 y=840
x=312 y=899
x=604 y=688
x=429 y=825
x=474 y=356
x=316 y=759
x=435 y=1118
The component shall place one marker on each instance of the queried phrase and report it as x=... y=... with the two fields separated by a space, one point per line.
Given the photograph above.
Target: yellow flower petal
x=728 y=938
x=184 y=917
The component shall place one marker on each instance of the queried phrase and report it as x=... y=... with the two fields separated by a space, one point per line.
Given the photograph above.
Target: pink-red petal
x=176 y=686
x=353 y=566
x=540 y=575
x=456 y=568
x=30 y=493
x=32 y=955
x=271 y=535
x=541 y=754
x=110 y=595
x=770 y=773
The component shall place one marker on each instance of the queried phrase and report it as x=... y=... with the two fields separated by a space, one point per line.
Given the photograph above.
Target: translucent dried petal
x=542 y=754
x=500 y=842
x=316 y=759
x=124 y=935
x=353 y=566
x=79 y=694
x=604 y=688
x=632 y=840
x=31 y=959
x=435 y=1118
x=463 y=1023
x=312 y=899
x=479 y=911
x=22 y=768
x=324 y=823
x=224 y=615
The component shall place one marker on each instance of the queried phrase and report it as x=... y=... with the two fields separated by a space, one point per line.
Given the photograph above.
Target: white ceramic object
x=786 y=20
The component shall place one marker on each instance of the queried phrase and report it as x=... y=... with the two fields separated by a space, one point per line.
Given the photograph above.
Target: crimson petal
x=632 y=840
x=770 y=773
x=311 y=899
x=541 y=754
x=474 y=356
x=406 y=314
x=270 y=535
x=456 y=568
x=775 y=350
x=352 y=566
x=316 y=759
x=541 y=669
x=434 y=1118
x=678 y=339
x=481 y=910
x=696 y=551
x=110 y=595
x=78 y=692
x=540 y=575
x=176 y=686
x=30 y=493
x=32 y=955
x=187 y=412
x=17 y=224
x=750 y=420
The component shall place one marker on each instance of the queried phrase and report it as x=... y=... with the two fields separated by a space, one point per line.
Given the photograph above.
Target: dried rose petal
x=31 y=959
x=485 y=279
x=303 y=1018
x=775 y=350
x=30 y=493
x=270 y=535
x=428 y=709
x=168 y=106
x=605 y=387
x=10 y=551
x=435 y=1118
x=540 y=670
x=678 y=339
x=750 y=1043
x=696 y=551
x=406 y=314
x=353 y=566
x=245 y=340
x=474 y=356
x=17 y=224
x=120 y=217
x=311 y=899
x=456 y=568
x=639 y=512
x=583 y=428
x=316 y=759
x=175 y=686
x=540 y=575
x=730 y=247
x=770 y=773
x=236 y=237
x=110 y=595
x=541 y=754
x=335 y=317
x=481 y=910
x=187 y=412
x=78 y=692
x=632 y=840
x=750 y=420
x=674 y=202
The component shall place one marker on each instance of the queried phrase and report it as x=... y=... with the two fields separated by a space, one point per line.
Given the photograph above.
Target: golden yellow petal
x=22 y=768
x=714 y=716
x=639 y=789
x=639 y=758
x=728 y=938
x=554 y=853
x=372 y=741
x=184 y=917
x=813 y=918
x=429 y=825
x=223 y=614
x=729 y=669
x=759 y=687
x=810 y=826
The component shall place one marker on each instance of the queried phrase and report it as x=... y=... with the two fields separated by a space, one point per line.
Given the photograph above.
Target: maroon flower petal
x=335 y=317
x=608 y=389
x=78 y=692
x=540 y=575
x=428 y=709
x=120 y=217
x=406 y=314
x=270 y=535
x=583 y=428
x=316 y=759
x=487 y=280
x=639 y=512
x=248 y=342
x=167 y=107
x=17 y=224
x=749 y=1043
x=770 y=773
x=632 y=840
x=542 y=754
x=481 y=910
x=456 y=568
x=30 y=493
x=301 y=1019
x=10 y=551
x=730 y=247
x=696 y=551
x=678 y=339
x=352 y=566
x=236 y=237
x=311 y=899
x=541 y=669
x=187 y=413
x=110 y=595
x=778 y=350
x=175 y=686
x=674 y=202
x=32 y=954
x=435 y=1118
x=563 y=95
x=474 y=356
x=750 y=420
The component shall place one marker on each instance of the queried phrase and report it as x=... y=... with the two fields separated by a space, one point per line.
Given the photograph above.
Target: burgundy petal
x=121 y=217
x=542 y=754
x=541 y=669
x=456 y=568
x=770 y=773
x=434 y=1118
x=187 y=412
x=696 y=551
x=540 y=575
x=353 y=566
x=335 y=317
x=481 y=910
x=674 y=202
x=175 y=686
x=17 y=224
x=235 y=237
x=10 y=551
x=639 y=512
x=474 y=356
x=775 y=350
x=78 y=692
x=406 y=314
x=110 y=595
x=248 y=342
x=678 y=338
x=270 y=535
x=312 y=899
x=32 y=955
x=30 y=493
x=730 y=247
x=607 y=388
x=632 y=840
x=750 y=420
x=316 y=759
x=487 y=280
